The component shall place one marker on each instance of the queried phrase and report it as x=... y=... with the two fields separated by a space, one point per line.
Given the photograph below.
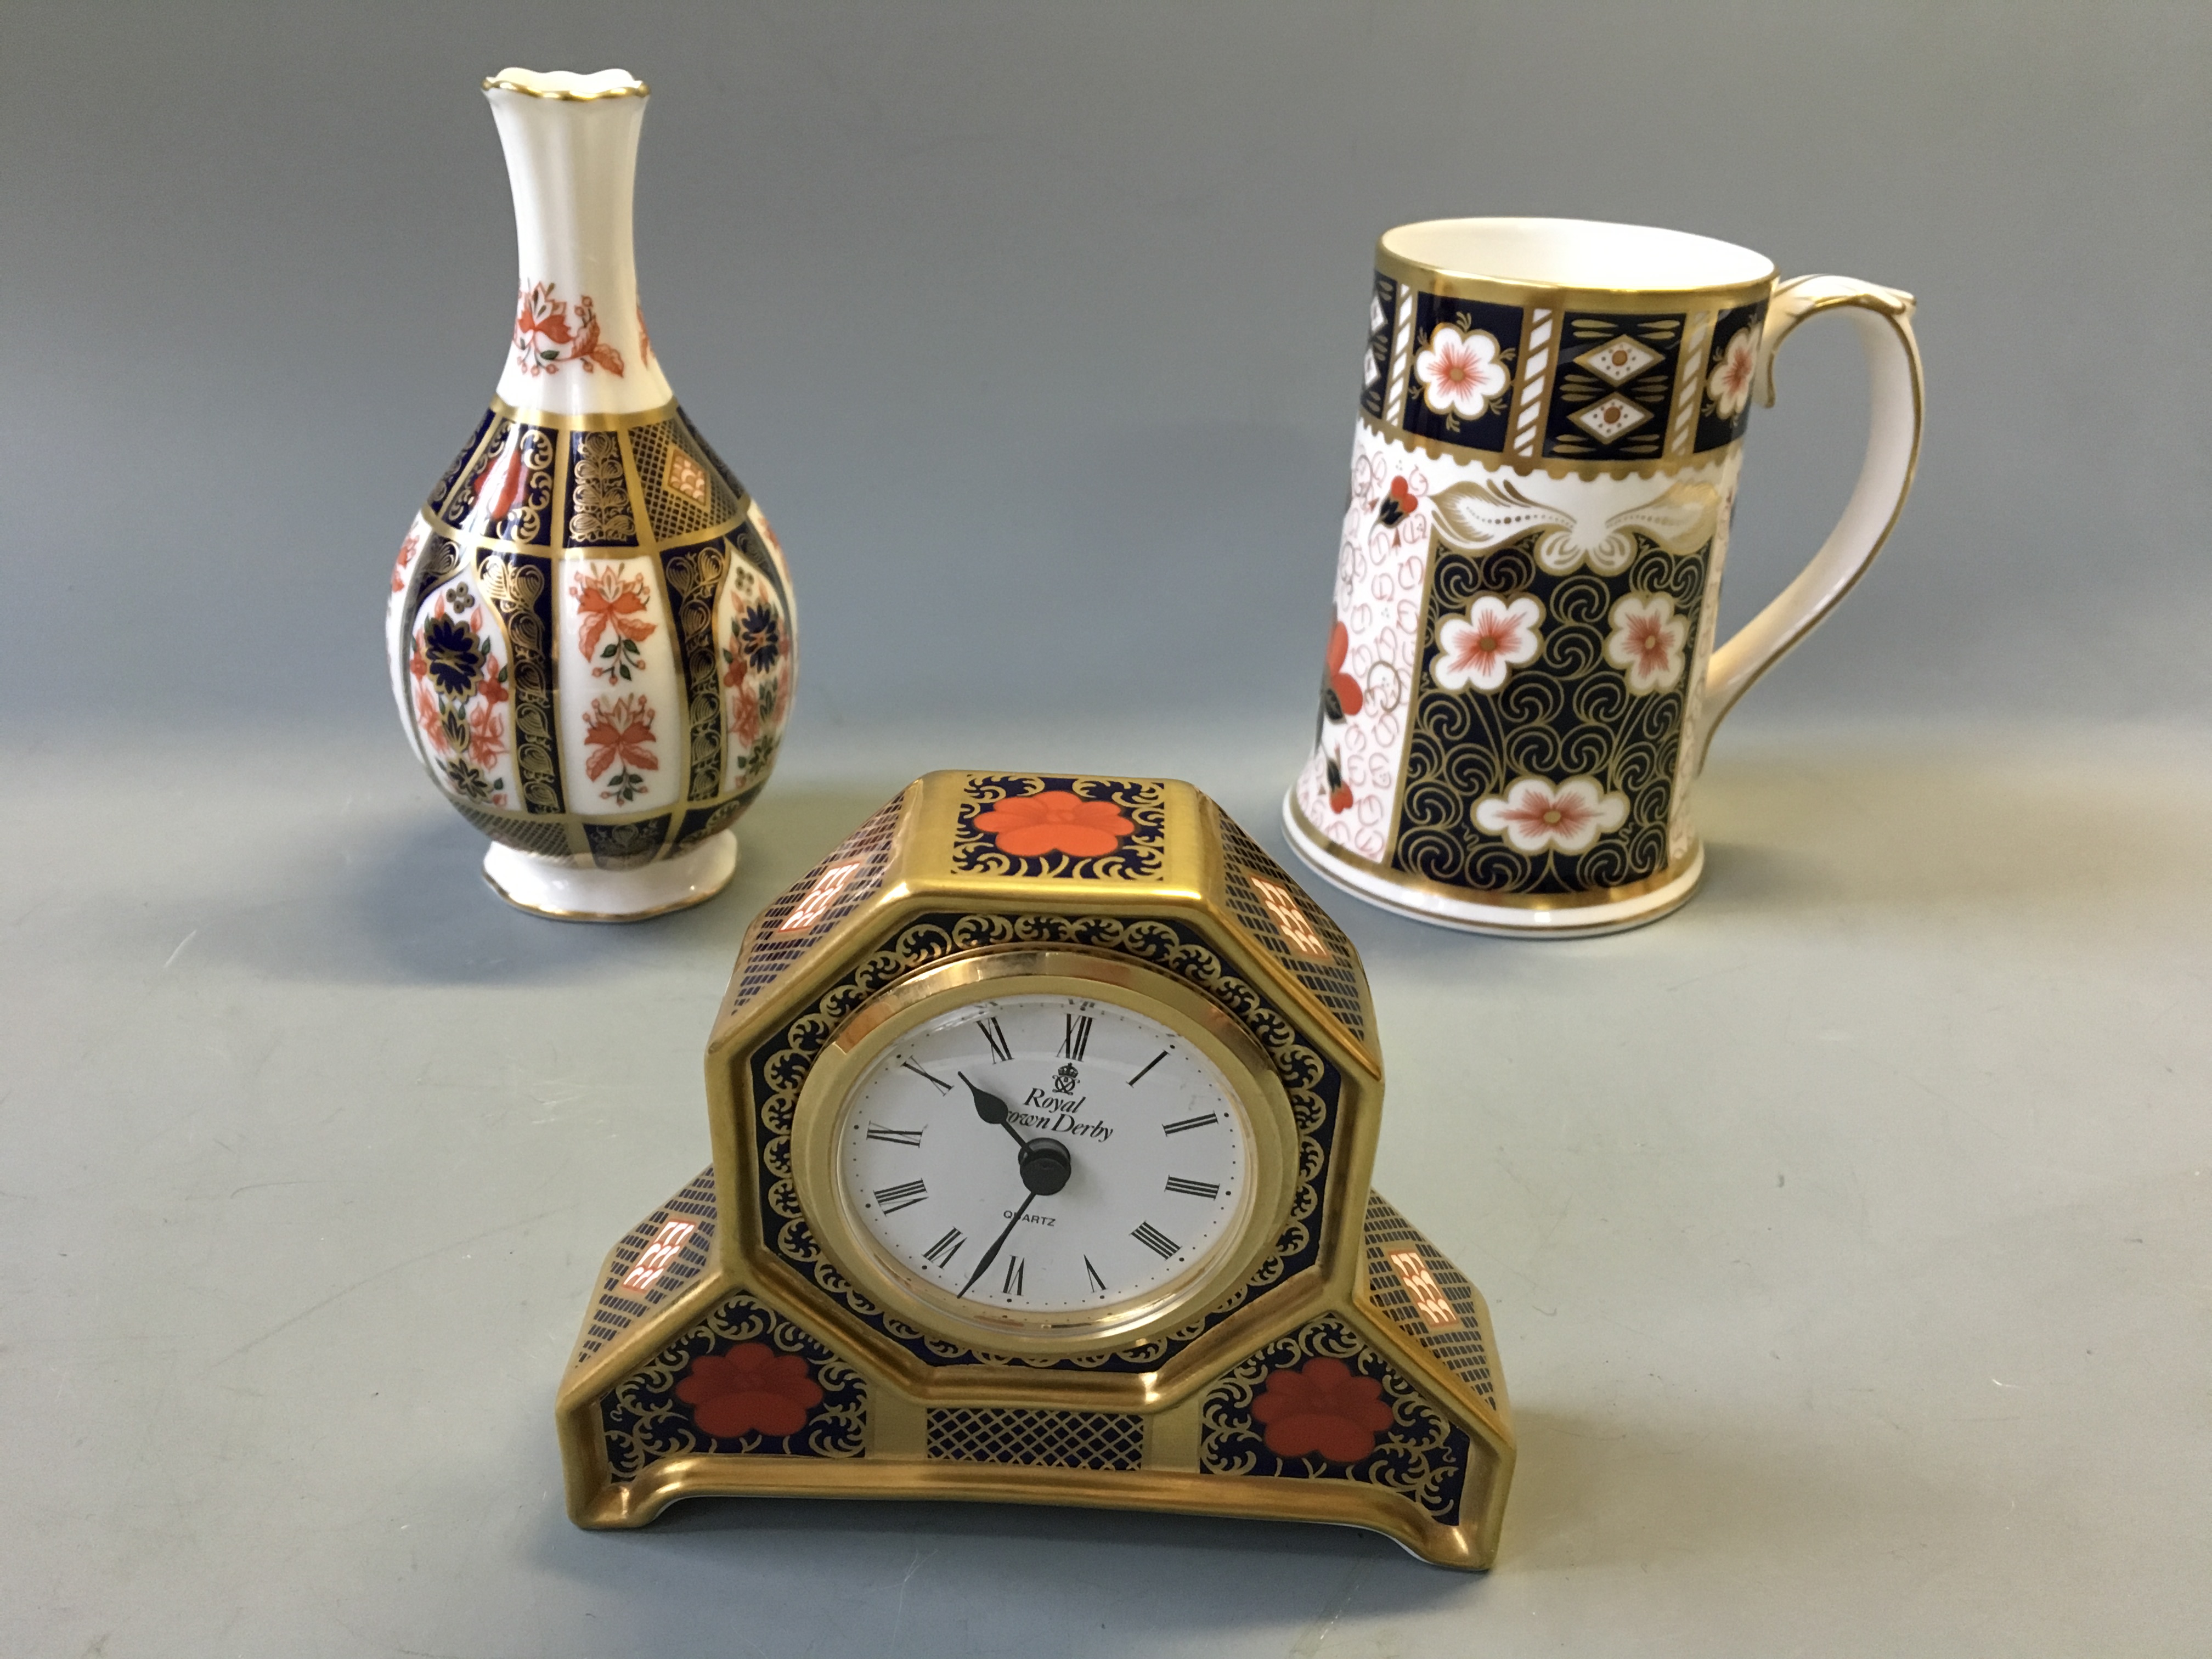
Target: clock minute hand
x=992 y=1109
x=992 y=1255
x=1046 y=1168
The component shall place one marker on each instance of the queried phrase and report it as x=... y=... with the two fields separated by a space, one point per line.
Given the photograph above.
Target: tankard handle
x=1884 y=319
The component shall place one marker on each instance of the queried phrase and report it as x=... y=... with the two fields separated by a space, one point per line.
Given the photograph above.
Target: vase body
x=590 y=625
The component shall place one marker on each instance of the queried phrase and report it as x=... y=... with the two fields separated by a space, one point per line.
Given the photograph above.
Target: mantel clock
x=1044 y=1110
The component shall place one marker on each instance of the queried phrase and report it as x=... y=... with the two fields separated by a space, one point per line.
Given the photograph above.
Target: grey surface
x=1847 y=1235
x=1036 y=328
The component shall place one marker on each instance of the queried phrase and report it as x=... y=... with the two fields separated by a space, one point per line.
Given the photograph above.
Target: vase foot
x=583 y=892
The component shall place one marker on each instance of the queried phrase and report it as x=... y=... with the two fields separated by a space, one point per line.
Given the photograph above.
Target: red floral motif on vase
x=1324 y=1408
x=620 y=735
x=514 y=475
x=406 y=557
x=608 y=601
x=1055 y=821
x=544 y=338
x=487 y=726
x=752 y=1389
x=745 y=716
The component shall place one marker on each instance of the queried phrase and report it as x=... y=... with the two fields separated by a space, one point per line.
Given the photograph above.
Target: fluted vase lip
x=567 y=84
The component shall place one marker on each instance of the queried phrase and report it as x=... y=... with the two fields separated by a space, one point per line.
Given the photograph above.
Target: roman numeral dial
x=904 y=1196
x=1154 y=1240
x=1077 y=1042
x=1046 y=1156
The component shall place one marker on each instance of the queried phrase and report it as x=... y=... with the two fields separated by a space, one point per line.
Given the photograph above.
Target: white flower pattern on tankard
x=1729 y=384
x=1460 y=373
x=1496 y=636
x=1647 y=642
x=1538 y=817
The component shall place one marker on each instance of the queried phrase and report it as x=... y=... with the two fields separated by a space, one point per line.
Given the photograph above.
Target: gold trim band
x=545 y=418
x=1511 y=291
x=635 y=88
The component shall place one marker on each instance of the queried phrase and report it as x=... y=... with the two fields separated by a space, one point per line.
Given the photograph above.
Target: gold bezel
x=1064 y=971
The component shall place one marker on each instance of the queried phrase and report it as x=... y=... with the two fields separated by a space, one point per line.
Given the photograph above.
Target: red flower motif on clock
x=1324 y=1408
x=752 y=1389
x=1055 y=821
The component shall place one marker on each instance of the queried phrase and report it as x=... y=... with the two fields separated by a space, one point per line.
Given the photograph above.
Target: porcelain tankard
x=1520 y=678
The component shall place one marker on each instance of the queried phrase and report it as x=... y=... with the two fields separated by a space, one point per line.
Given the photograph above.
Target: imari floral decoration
x=1044 y=1110
x=590 y=619
x=1522 y=673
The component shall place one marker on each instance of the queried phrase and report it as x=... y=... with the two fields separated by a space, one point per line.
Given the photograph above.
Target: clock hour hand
x=992 y=1109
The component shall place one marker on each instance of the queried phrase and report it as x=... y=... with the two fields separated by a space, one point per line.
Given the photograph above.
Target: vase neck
x=579 y=345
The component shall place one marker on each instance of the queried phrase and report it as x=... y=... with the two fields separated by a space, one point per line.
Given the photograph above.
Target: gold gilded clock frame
x=1330 y=1364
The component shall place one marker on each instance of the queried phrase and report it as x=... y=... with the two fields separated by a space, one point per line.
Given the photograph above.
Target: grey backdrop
x=1845 y=1234
x=1035 y=328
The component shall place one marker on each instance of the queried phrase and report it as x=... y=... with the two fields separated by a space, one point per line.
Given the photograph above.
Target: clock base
x=1376 y=1404
x=568 y=891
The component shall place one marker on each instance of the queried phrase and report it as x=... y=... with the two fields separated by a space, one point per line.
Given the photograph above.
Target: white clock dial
x=1154 y=1147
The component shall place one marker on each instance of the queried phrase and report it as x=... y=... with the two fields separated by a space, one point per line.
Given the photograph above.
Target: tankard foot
x=1504 y=915
x=574 y=891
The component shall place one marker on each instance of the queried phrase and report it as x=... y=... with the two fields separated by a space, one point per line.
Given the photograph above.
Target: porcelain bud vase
x=590 y=626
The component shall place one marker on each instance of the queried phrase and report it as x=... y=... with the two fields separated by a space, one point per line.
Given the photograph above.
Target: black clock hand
x=992 y=1255
x=1046 y=1167
x=992 y=1109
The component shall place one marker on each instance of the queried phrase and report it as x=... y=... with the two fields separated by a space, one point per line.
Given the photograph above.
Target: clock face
x=1046 y=1160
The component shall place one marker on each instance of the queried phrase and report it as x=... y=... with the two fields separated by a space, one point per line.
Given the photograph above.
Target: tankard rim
x=1583 y=257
